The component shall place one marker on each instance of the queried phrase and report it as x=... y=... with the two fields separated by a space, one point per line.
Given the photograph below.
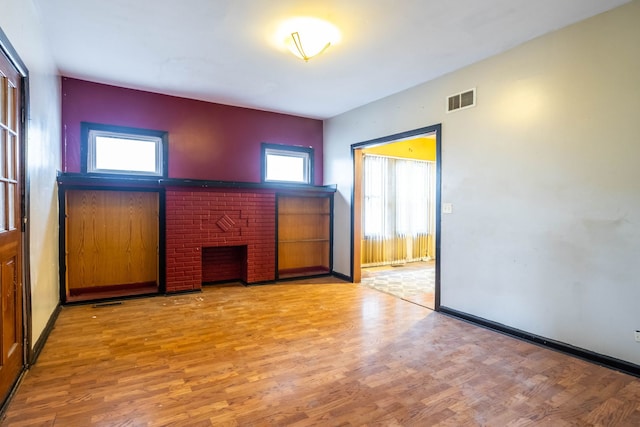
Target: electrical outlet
x=637 y=335
x=447 y=208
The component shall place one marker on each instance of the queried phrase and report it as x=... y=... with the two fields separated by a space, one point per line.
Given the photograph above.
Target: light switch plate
x=447 y=208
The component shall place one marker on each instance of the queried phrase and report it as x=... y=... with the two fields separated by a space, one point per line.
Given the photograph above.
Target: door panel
x=11 y=341
x=8 y=282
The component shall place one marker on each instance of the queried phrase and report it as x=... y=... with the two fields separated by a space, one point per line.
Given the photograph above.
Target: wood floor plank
x=314 y=352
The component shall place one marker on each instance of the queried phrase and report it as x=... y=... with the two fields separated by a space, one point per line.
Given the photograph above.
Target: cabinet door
x=111 y=238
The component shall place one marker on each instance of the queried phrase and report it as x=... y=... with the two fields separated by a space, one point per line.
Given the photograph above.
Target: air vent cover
x=462 y=100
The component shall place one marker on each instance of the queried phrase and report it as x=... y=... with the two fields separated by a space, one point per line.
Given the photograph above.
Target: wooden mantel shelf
x=81 y=179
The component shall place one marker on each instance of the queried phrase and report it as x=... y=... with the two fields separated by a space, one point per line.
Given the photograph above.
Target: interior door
x=11 y=328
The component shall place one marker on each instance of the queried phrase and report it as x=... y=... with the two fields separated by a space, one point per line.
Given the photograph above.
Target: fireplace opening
x=224 y=264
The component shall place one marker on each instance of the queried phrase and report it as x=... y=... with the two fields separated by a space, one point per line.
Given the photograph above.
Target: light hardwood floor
x=324 y=353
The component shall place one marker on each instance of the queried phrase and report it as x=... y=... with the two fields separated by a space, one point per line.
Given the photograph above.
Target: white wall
x=20 y=23
x=544 y=178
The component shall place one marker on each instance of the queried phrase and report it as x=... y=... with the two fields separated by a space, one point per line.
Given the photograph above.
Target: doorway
x=396 y=215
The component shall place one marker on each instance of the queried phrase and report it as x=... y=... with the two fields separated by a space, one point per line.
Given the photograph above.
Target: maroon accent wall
x=206 y=140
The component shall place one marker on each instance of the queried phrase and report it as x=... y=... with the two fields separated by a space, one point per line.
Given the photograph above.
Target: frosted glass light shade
x=307 y=37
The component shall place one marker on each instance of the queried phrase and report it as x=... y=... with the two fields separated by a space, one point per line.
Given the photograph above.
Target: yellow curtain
x=398 y=210
x=378 y=250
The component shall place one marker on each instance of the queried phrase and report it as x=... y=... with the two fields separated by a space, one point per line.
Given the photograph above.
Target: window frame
x=305 y=153
x=89 y=131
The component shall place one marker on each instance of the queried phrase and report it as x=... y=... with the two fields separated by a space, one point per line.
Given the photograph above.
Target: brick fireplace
x=224 y=263
x=213 y=234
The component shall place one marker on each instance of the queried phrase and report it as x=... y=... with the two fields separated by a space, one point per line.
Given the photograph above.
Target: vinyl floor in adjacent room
x=413 y=282
x=321 y=352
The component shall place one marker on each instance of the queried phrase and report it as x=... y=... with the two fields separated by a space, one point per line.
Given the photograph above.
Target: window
x=287 y=164
x=376 y=182
x=124 y=151
x=398 y=194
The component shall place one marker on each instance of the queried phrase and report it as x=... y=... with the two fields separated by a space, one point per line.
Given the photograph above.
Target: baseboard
x=182 y=291
x=39 y=345
x=107 y=300
x=590 y=356
x=342 y=276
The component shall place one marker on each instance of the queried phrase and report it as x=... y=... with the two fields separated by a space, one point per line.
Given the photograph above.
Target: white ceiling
x=223 y=50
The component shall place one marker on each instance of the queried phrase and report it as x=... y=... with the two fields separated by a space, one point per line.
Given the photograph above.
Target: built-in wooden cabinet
x=304 y=235
x=111 y=243
x=125 y=236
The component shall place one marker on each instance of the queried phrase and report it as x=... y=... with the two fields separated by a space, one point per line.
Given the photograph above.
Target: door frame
x=9 y=51
x=356 y=198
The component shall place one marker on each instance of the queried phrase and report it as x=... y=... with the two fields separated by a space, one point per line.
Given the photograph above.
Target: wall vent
x=462 y=100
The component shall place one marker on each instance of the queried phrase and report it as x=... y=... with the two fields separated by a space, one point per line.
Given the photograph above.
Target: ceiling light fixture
x=307 y=37
x=317 y=48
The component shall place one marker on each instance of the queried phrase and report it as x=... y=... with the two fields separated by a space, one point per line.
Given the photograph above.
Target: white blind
x=398 y=194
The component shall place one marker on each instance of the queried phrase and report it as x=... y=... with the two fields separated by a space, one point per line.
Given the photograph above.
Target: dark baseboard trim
x=42 y=340
x=590 y=356
x=99 y=301
x=342 y=277
x=184 y=291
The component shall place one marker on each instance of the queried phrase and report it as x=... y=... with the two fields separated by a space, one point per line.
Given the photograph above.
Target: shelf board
x=303 y=272
x=303 y=213
x=303 y=240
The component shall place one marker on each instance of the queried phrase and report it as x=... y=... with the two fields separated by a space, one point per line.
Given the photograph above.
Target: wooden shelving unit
x=113 y=233
x=111 y=241
x=304 y=236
